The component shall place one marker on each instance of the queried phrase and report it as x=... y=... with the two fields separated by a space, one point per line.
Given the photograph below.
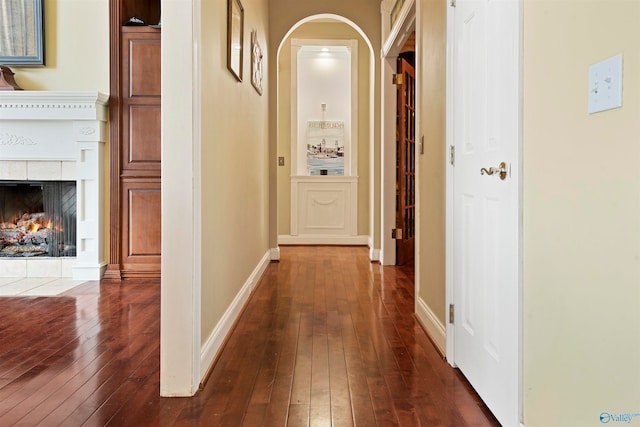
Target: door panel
x=144 y=227
x=486 y=207
x=142 y=148
x=141 y=237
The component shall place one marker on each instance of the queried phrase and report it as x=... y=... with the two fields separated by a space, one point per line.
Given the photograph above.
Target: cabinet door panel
x=142 y=148
x=143 y=223
x=142 y=65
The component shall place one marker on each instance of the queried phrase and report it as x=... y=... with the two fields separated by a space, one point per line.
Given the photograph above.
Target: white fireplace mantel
x=47 y=135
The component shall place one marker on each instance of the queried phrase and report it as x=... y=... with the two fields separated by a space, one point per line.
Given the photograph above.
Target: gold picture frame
x=256 y=63
x=235 y=37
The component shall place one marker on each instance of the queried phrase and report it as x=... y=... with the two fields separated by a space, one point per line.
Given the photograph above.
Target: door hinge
x=398 y=79
x=396 y=233
x=451 y=316
x=452 y=155
x=453 y=3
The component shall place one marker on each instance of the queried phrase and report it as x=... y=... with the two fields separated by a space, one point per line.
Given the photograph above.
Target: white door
x=486 y=131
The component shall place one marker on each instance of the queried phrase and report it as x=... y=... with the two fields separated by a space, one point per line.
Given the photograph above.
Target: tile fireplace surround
x=50 y=136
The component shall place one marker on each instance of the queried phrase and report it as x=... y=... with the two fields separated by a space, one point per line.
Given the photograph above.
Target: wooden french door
x=406 y=163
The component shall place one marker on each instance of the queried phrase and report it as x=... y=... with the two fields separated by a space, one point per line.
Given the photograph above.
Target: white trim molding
x=313 y=239
x=374 y=253
x=431 y=324
x=275 y=254
x=214 y=343
x=402 y=27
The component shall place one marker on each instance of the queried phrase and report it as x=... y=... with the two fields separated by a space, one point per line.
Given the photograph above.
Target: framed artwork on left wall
x=235 y=37
x=256 y=62
x=22 y=32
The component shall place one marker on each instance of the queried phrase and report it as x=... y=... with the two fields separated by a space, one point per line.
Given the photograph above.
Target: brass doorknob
x=501 y=170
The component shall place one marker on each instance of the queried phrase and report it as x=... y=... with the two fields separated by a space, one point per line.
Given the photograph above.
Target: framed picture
x=256 y=62
x=21 y=32
x=395 y=12
x=235 y=31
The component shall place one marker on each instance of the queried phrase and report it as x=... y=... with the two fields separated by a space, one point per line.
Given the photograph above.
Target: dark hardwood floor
x=328 y=338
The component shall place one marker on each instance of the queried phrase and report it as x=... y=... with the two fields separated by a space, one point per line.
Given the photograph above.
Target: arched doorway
x=332 y=30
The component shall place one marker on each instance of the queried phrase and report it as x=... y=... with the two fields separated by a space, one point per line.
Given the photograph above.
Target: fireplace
x=51 y=184
x=37 y=219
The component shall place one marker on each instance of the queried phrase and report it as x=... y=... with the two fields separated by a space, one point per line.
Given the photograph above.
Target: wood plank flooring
x=327 y=339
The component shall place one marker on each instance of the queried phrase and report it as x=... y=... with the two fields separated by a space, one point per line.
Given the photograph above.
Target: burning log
x=24 y=250
x=26 y=236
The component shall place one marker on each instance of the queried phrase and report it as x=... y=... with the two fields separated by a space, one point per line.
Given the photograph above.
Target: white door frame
x=180 y=310
x=515 y=175
x=398 y=35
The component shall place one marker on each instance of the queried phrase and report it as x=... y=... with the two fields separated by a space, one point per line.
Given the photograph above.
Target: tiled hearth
x=36 y=286
x=54 y=136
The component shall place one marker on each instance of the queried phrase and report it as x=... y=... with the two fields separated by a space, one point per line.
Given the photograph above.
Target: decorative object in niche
x=256 y=62
x=6 y=79
x=134 y=22
x=21 y=32
x=325 y=147
x=235 y=37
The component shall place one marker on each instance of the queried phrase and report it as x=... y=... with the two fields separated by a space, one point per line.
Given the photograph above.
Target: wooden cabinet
x=135 y=151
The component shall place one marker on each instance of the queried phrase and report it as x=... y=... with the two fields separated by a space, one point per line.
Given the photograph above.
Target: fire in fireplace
x=37 y=218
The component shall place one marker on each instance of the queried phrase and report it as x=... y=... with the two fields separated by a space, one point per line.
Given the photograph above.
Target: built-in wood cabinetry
x=134 y=246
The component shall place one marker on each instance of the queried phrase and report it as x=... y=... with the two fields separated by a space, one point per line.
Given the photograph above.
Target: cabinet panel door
x=144 y=65
x=142 y=224
x=142 y=144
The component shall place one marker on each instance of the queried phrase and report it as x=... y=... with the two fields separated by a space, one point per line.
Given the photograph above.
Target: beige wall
x=323 y=31
x=76 y=58
x=76 y=48
x=581 y=176
x=284 y=14
x=432 y=108
x=234 y=235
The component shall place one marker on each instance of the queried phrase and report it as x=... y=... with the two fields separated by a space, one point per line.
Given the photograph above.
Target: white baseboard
x=374 y=254
x=323 y=240
x=86 y=272
x=431 y=324
x=275 y=254
x=215 y=341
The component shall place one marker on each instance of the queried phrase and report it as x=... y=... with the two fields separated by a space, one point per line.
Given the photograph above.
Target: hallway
x=328 y=338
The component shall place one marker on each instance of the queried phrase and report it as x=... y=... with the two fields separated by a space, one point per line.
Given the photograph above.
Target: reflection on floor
x=36 y=286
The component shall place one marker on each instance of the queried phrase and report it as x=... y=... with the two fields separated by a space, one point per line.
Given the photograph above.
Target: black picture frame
x=235 y=37
x=30 y=36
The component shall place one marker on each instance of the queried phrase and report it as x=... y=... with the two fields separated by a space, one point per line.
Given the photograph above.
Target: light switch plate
x=605 y=85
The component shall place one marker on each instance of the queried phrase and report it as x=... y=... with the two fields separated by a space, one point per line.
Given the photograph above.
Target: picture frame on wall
x=235 y=37
x=22 y=32
x=256 y=63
